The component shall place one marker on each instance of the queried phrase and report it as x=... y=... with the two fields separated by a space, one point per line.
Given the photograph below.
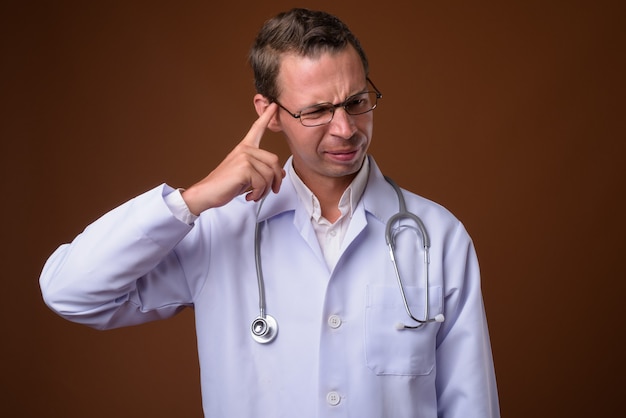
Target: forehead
x=327 y=77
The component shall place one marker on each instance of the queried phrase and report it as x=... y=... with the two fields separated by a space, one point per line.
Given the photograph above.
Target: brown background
x=511 y=115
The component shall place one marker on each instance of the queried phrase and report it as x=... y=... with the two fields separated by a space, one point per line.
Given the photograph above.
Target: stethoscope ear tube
x=403 y=213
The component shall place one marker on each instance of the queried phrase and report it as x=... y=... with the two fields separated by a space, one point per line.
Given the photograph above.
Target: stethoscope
x=265 y=327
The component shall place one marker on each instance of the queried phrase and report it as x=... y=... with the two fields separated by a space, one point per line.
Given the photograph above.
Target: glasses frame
x=333 y=107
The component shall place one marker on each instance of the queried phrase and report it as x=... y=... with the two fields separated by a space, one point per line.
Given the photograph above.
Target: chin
x=345 y=170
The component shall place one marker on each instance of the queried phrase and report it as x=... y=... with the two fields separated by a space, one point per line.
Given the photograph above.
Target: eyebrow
x=321 y=104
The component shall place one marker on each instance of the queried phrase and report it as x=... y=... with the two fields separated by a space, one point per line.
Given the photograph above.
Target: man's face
x=329 y=152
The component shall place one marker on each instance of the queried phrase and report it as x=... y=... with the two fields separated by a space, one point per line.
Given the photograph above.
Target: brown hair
x=301 y=31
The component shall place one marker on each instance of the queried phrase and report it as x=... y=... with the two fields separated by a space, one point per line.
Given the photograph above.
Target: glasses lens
x=323 y=114
x=361 y=103
x=316 y=115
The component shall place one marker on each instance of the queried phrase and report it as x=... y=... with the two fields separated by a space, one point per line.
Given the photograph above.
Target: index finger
x=255 y=134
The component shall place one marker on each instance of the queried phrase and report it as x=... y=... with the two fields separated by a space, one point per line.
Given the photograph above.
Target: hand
x=246 y=169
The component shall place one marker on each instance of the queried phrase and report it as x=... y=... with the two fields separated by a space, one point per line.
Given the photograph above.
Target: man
x=315 y=230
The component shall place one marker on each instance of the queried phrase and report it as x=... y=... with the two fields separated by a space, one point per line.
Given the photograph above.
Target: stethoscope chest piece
x=264 y=329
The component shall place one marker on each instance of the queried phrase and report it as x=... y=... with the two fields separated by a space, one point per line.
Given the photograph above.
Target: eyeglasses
x=323 y=113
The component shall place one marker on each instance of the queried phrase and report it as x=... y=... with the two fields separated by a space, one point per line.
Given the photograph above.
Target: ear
x=260 y=104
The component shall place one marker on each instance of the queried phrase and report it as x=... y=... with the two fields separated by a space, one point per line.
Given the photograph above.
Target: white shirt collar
x=349 y=199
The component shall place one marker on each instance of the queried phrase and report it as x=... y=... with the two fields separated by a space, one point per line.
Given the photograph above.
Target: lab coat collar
x=379 y=198
x=284 y=201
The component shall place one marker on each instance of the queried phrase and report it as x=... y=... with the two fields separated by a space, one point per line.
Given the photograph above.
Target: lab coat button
x=333 y=398
x=334 y=321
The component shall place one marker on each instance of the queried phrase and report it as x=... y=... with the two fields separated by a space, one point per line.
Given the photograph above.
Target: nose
x=342 y=124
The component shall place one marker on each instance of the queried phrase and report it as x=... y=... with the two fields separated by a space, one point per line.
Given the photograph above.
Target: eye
x=315 y=112
x=361 y=103
x=357 y=102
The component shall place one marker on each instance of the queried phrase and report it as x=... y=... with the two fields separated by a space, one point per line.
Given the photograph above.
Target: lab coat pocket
x=405 y=352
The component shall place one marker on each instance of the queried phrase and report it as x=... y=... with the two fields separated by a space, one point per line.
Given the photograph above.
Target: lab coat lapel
x=379 y=200
x=302 y=222
x=287 y=200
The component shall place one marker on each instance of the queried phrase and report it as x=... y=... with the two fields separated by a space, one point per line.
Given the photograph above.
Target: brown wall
x=511 y=116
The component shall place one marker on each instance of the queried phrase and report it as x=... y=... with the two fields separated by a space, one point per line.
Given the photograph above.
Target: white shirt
x=337 y=352
x=330 y=235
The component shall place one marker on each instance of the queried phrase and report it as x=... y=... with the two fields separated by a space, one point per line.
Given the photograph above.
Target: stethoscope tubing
x=257 y=262
x=402 y=214
x=264 y=327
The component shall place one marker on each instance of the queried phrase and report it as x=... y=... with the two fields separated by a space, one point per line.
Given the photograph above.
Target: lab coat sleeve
x=122 y=269
x=466 y=384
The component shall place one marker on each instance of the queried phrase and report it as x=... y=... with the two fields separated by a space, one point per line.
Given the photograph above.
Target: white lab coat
x=338 y=352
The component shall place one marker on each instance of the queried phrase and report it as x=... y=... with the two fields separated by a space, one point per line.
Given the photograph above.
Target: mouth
x=347 y=155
